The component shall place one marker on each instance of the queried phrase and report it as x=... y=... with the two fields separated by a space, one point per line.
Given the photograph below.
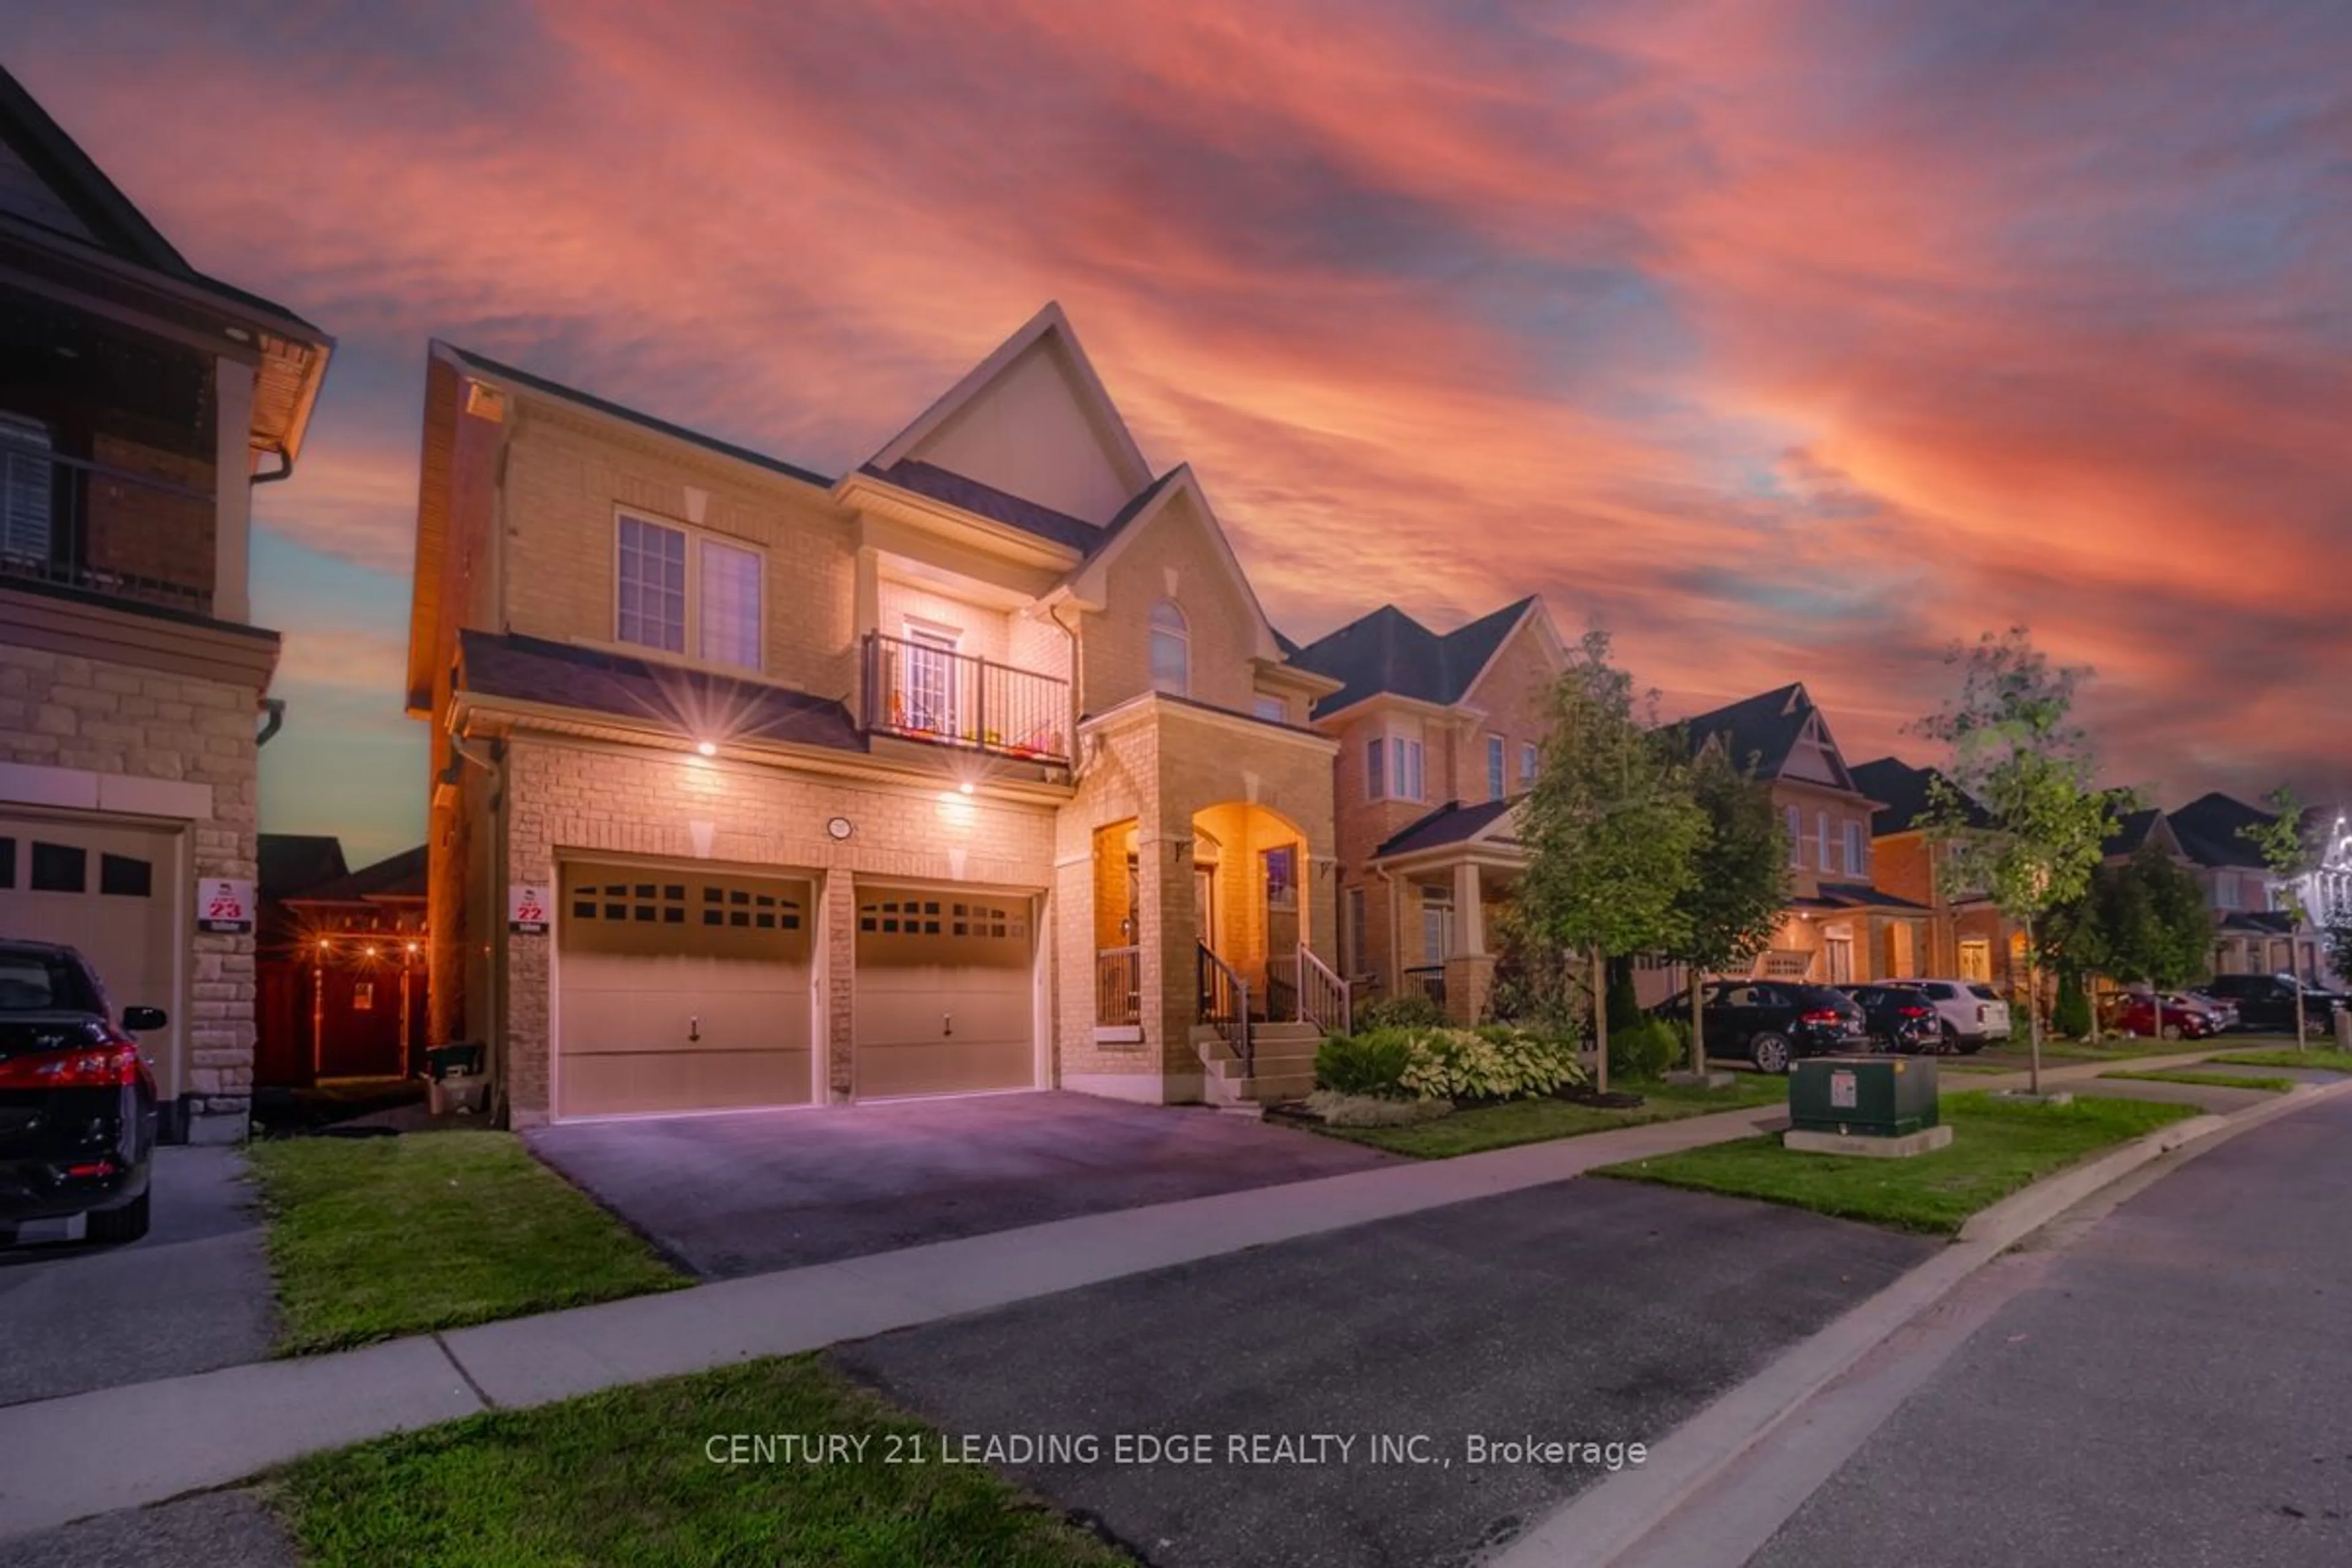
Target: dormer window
x=1172 y=649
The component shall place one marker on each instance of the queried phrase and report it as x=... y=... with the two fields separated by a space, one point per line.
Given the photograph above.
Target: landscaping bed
x=371 y=1238
x=1511 y=1122
x=1998 y=1147
x=625 y=1479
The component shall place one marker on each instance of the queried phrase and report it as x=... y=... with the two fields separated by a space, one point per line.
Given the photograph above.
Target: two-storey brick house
x=1964 y=937
x=2254 y=933
x=141 y=401
x=1844 y=922
x=977 y=767
x=1438 y=737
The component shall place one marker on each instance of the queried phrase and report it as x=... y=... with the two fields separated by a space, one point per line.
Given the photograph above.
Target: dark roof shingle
x=1453 y=823
x=2207 y=828
x=289 y=862
x=988 y=501
x=696 y=703
x=400 y=875
x=1388 y=652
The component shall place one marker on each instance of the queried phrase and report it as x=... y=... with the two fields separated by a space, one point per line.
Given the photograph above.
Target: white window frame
x=1376 y=766
x=926 y=679
x=1821 y=838
x=1180 y=632
x=1396 y=769
x=695 y=537
x=1796 y=837
x=1854 y=852
x=1498 y=751
x=1530 y=762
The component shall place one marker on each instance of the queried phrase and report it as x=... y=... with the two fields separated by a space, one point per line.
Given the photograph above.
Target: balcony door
x=930 y=678
x=25 y=489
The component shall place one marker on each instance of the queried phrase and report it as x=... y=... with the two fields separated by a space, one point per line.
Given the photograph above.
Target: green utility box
x=1864 y=1097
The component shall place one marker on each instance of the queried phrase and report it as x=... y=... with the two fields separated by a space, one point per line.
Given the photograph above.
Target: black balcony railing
x=108 y=530
x=920 y=692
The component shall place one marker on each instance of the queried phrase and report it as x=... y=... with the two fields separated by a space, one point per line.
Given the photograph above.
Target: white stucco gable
x=1031 y=420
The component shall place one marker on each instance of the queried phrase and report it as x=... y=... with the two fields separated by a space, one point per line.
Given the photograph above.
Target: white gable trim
x=1089 y=582
x=1124 y=453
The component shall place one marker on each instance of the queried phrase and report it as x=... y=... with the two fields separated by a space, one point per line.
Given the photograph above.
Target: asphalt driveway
x=1585 y=1311
x=193 y=1295
x=751 y=1192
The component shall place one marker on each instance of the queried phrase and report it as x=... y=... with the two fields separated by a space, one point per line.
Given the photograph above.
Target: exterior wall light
x=707 y=748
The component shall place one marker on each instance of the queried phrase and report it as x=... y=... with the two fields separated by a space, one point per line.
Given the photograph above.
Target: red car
x=2183 y=1019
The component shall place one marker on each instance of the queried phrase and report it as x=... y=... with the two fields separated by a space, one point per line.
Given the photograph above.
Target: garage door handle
x=693 y=1029
x=947 y=1025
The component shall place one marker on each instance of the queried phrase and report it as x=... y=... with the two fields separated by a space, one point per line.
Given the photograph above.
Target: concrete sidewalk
x=123 y=1447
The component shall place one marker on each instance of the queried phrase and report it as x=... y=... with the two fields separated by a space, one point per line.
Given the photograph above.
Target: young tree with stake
x=1612 y=827
x=2289 y=853
x=1739 y=878
x=2038 y=828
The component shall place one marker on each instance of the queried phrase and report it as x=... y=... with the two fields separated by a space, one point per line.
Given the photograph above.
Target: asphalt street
x=193 y=1294
x=1585 y=1310
x=2175 y=1391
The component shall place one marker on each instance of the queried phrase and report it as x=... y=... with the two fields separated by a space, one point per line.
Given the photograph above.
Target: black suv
x=1773 y=1022
x=2266 y=1002
x=1900 y=1018
x=77 y=1101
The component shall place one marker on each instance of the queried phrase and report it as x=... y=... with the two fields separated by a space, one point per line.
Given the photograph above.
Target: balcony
x=106 y=531
x=917 y=691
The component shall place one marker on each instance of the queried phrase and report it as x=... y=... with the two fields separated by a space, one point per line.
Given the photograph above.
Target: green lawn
x=1997 y=1147
x=2316 y=1059
x=373 y=1238
x=1540 y=1121
x=2208 y=1079
x=623 y=1479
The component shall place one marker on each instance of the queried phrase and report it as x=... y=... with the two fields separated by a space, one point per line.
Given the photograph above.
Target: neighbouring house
x=141 y=401
x=2254 y=934
x=1965 y=936
x=1844 y=923
x=977 y=767
x=1439 y=736
x=341 y=965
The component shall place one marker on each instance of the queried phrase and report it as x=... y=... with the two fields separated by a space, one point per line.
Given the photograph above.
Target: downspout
x=1396 y=930
x=1077 y=683
x=283 y=471
x=273 y=711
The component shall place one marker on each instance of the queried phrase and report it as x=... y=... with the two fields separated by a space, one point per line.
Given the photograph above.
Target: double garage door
x=693 y=990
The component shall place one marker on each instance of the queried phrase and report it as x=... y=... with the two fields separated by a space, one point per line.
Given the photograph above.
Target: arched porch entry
x=1250 y=872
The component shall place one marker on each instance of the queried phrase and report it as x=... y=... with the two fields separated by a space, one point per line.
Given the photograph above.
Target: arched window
x=1172 y=649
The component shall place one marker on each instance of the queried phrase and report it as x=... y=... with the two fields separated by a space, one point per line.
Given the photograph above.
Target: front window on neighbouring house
x=1497 y=751
x=1273 y=709
x=1853 y=863
x=1376 y=771
x=1172 y=649
x=1796 y=837
x=1529 y=756
x=679 y=591
x=1436 y=924
x=1392 y=769
x=2225 y=890
x=1976 y=959
x=1821 y=839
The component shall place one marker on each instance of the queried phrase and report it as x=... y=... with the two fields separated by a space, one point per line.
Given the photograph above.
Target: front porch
x=1448 y=881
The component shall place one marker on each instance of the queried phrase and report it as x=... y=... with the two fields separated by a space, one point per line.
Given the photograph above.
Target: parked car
x=2267 y=1002
x=1771 y=1023
x=1971 y=1013
x=2184 y=1019
x=2224 y=1011
x=77 y=1100
x=1900 y=1017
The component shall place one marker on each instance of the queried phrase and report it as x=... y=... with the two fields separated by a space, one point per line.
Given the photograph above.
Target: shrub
x=2072 y=1017
x=1372 y=1062
x=1646 y=1049
x=1415 y=1009
x=1496 y=1062
x=1624 y=1001
x=1374 y=1111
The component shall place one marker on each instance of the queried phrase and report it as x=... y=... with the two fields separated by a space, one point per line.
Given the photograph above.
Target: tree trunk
x=2034 y=1009
x=1599 y=1023
x=2298 y=1003
x=1699 y=1020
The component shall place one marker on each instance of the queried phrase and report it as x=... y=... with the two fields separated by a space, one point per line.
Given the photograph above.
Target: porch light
x=964 y=788
x=414 y=950
x=368 y=952
x=706 y=748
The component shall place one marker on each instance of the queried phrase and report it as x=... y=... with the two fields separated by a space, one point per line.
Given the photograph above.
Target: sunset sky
x=1789 y=340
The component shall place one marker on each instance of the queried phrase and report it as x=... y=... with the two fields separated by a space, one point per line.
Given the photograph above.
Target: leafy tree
x=1610 y=825
x=2289 y=853
x=2338 y=938
x=1739 y=878
x=2071 y=1016
x=2015 y=811
x=2159 y=932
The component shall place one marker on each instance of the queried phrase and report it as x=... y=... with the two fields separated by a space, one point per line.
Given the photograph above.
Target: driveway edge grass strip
x=2317 y=1058
x=1997 y=1148
x=2207 y=1079
x=625 y=1478
x=376 y=1238
x=1518 y=1122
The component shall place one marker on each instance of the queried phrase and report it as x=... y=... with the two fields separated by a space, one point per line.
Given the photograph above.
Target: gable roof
x=988 y=501
x=933 y=435
x=1765 y=727
x=1089 y=581
x=289 y=862
x=1453 y=823
x=1388 y=653
x=2207 y=828
x=2132 y=832
x=694 y=704
x=400 y=875
x=1903 y=795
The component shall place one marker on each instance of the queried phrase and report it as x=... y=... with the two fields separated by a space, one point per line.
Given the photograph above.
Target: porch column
x=1469 y=971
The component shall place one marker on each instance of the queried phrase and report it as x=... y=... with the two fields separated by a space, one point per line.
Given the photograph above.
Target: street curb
x=1612 y=1520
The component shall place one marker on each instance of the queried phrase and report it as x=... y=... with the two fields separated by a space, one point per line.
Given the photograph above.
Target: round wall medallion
x=840 y=827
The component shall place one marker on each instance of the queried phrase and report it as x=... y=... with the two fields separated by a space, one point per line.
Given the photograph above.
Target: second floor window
x=1496 y=749
x=1392 y=769
x=688 y=594
x=1796 y=837
x=1821 y=839
x=1172 y=649
x=1853 y=861
x=1529 y=756
x=25 y=485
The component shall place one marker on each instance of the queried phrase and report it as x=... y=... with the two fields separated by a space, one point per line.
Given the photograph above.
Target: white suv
x=1973 y=1014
